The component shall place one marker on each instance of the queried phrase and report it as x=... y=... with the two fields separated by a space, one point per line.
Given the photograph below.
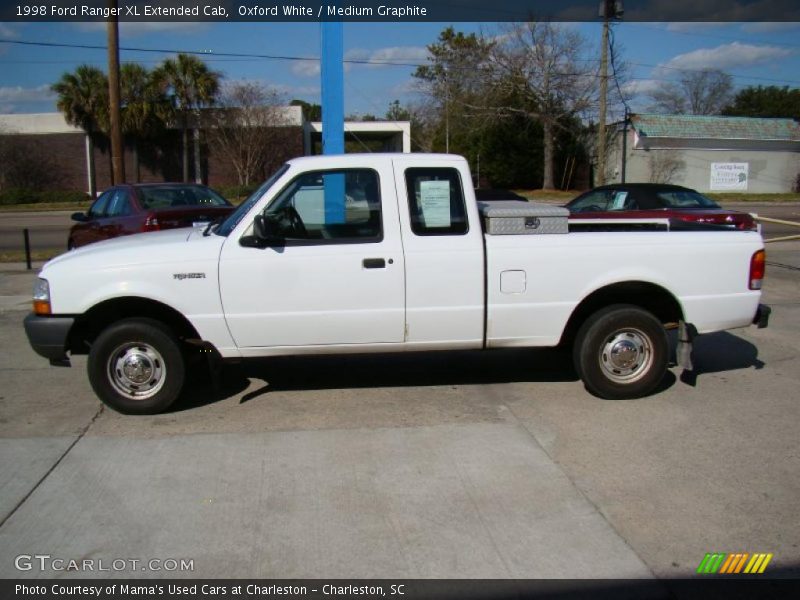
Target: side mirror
x=263 y=234
x=79 y=217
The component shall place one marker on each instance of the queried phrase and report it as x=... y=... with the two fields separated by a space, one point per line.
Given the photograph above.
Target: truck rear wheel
x=136 y=367
x=621 y=352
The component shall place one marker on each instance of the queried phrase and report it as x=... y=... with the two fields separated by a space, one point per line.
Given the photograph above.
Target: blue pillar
x=332 y=69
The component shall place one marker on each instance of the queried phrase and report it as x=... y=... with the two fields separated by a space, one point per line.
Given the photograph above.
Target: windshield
x=178 y=196
x=236 y=216
x=685 y=199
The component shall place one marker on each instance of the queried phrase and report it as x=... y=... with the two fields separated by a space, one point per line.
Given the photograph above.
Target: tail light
x=151 y=223
x=758 y=266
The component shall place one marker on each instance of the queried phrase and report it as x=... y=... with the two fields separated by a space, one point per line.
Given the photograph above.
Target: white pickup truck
x=385 y=253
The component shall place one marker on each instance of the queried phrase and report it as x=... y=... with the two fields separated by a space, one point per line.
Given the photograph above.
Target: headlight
x=41 y=297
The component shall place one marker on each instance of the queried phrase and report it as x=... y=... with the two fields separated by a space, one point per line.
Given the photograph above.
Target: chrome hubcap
x=136 y=370
x=626 y=355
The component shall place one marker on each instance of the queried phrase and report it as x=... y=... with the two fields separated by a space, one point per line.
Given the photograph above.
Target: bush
x=237 y=193
x=26 y=196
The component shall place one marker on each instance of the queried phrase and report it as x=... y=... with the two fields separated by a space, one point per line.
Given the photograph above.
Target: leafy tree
x=311 y=112
x=397 y=112
x=540 y=74
x=704 y=92
x=457 y=78
x=145 y=107
x=191 y=85
x=83 y=100
x=769 y=101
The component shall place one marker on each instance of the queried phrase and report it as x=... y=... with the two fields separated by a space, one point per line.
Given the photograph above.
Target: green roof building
x=717 y=154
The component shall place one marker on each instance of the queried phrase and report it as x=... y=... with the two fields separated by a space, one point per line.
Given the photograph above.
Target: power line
x=719 y=37
x=211 y=55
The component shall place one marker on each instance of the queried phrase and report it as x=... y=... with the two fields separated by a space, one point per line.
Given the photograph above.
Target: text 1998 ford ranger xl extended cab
x=383 y=253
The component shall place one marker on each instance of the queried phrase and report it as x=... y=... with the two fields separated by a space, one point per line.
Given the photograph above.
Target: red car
x=656 y=200
x=135 y=208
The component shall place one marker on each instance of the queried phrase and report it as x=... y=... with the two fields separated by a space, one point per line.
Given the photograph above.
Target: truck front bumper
x=762 y=316
x=48 y=337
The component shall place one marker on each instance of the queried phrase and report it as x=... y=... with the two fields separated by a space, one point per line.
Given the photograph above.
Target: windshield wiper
x=207 y=231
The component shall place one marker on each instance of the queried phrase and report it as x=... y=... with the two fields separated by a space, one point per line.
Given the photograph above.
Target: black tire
x=621 y=352
x=136 y=367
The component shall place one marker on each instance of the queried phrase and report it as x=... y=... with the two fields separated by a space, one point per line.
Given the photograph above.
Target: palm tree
x=83 y=99
x=191 y=85
x=145 y=108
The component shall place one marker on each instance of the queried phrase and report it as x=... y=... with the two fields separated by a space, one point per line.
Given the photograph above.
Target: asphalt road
x=49 y=230
x=446 y=465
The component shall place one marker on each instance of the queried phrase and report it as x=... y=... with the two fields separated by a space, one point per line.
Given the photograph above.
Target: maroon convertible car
x=656 y=200
x=134 y=208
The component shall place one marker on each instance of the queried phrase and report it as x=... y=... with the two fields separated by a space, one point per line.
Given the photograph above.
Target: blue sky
x=765 y=53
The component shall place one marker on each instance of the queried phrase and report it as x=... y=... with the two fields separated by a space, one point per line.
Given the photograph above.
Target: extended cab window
x=328 y=207
x=436 y=201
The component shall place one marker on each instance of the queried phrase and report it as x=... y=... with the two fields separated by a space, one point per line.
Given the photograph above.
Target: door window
x=436 y=201
x=328 y=207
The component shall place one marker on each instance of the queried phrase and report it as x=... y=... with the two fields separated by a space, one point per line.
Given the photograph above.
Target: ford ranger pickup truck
x=388 y=253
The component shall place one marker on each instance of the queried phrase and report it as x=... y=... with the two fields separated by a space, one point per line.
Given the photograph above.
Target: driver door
x=335 y=278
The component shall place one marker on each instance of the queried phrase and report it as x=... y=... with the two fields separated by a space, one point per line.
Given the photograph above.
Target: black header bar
x=399 y=11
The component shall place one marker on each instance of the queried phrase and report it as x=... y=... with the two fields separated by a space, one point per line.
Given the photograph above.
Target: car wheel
x=136 y=367
x=621 y=352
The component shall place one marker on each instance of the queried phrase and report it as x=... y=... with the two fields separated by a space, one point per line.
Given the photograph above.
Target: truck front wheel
x=621 y=352
x=136 y=367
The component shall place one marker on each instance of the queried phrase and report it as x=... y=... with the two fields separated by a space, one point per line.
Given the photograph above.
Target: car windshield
x=685 y=199
x=178 y=196
x=236 y=216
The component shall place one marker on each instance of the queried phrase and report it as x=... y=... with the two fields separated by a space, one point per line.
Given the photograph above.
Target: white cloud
x=7 y=31
x=397 y=54
x=306 y=68
x=371 y=59
x=726 y=56
x=16 y=93
x=769 y=27
x=694 y=27
x=640 y=86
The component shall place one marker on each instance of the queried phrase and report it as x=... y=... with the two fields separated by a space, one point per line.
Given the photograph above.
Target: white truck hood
x=177 y=267
x=174 y=245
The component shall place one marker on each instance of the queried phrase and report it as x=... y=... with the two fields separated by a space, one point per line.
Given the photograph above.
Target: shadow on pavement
x=352 y=371
x=713 y=353
x=720 y=352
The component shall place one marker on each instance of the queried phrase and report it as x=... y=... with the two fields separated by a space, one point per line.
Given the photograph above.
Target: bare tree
x=245 y=128
x=665 y=166
x=704 y=92
x=538 y=66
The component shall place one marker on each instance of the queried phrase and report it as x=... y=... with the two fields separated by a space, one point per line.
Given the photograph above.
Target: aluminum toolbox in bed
x=521 y=218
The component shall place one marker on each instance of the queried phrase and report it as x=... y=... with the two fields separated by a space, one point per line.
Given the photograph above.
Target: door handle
x=374 y=263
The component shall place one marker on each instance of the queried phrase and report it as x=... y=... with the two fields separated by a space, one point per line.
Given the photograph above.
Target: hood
x=172 y=245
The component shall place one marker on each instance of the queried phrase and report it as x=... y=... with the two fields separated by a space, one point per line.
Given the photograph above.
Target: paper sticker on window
x=619 y=201
x=435 y=203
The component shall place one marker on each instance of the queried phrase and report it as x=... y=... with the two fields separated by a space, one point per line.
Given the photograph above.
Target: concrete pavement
x=453 y=465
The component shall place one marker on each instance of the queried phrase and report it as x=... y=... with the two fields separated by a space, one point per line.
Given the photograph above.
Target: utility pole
x=117 y=158
x=600 y=170
x=609 y=9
